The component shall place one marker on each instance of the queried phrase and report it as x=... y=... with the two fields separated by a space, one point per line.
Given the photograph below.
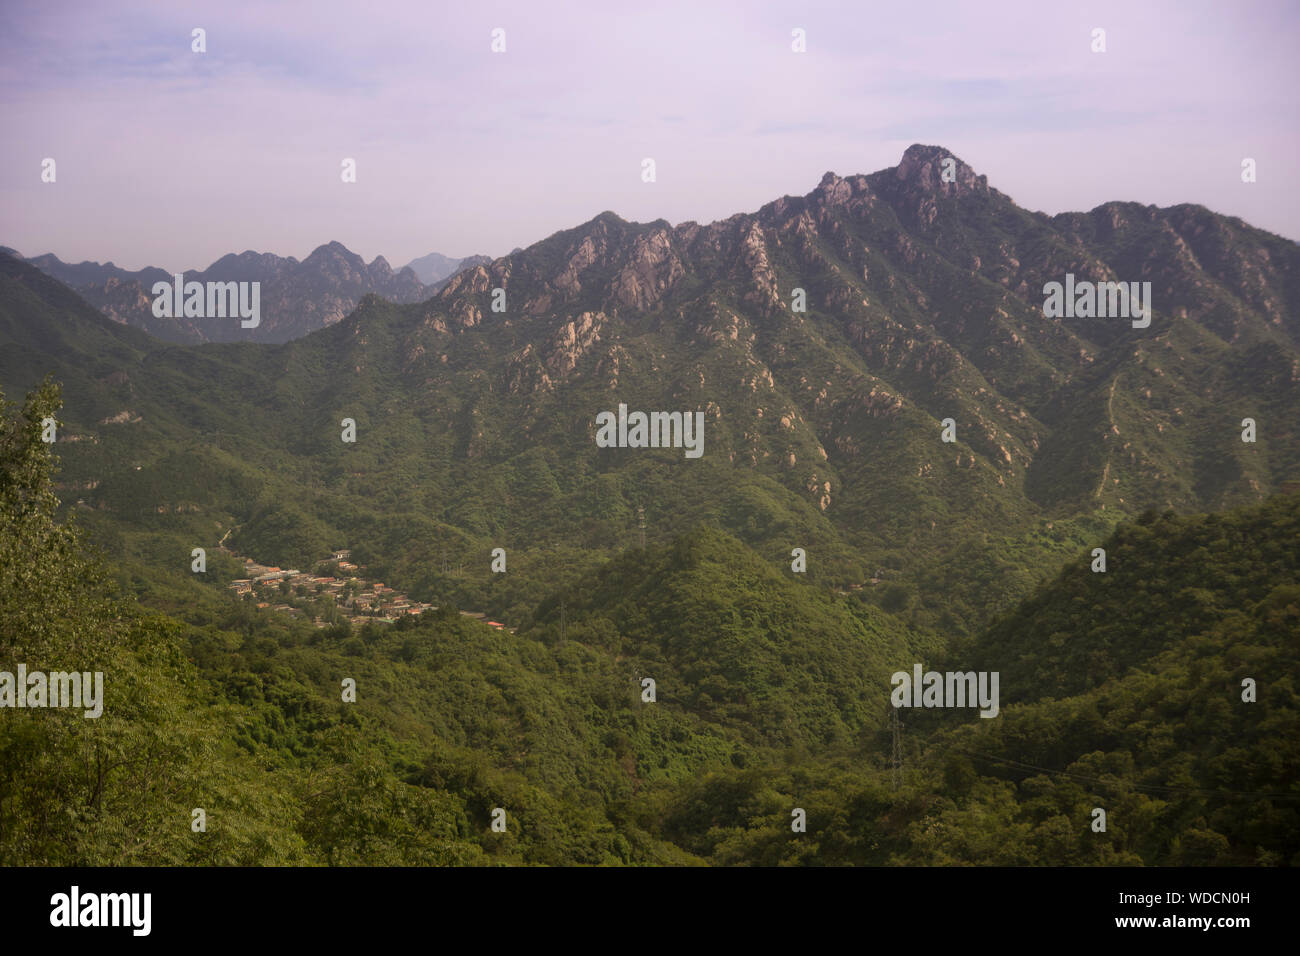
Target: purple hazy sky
x=171 y=158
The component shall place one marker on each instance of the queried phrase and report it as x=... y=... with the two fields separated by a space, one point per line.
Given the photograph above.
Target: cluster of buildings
x=354 y=596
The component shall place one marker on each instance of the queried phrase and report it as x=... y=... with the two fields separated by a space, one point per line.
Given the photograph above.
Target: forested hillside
x=826 y=340
x=904 y=463
x=770 y=695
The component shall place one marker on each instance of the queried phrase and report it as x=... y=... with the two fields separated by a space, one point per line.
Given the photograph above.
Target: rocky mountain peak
x=923 y=166
x=334 y=250
x=833 y=189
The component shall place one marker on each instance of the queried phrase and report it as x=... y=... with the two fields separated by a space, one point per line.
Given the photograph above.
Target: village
x=335 y=592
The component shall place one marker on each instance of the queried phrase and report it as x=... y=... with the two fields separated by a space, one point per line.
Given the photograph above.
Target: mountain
x=476 y=429
x=296 y=297
x=1123 y=691
x=694 y=701
x=93 y=273
x=823 y=429
x=434 y=268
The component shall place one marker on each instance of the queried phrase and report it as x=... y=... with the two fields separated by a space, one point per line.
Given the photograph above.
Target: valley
x=884 y=395
x=326 y=599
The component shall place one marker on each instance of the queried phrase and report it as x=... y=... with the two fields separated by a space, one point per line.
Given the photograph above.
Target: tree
x=78 y=790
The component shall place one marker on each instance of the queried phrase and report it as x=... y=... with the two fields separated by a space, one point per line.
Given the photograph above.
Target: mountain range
x=823 y=428
x=833 y=343
x=297 y=297
x=434 y=268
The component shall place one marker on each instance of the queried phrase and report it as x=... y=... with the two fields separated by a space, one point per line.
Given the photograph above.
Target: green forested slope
x=770 y=696
x=924 y=302
x=475 y=431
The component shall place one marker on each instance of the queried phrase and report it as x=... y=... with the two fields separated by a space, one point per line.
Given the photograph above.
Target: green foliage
x=1119 y=690
x=1122 y=691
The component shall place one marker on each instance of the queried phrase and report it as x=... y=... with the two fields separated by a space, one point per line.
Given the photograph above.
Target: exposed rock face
x=573 y=341
x=755 y=258
x=123 y=417
x=653 y=270
x=922 y=300
x=940 y=315
x=922 y=169
x=476 y=280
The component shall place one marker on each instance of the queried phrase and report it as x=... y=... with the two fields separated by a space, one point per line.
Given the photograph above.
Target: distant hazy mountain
x=93 y=273
x=435 y=267
x=296 y=297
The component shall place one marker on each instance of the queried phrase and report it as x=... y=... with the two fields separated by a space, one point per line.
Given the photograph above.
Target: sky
x=171 y=158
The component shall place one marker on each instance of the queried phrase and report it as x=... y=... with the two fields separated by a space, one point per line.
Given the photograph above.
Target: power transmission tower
x=561 y=622
x=640 y=520
x=896 y=759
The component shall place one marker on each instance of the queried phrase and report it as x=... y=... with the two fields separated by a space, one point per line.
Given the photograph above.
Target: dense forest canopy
x=1121 y=690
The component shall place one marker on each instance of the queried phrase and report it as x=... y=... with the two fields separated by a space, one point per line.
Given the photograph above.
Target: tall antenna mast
x=896 y=758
